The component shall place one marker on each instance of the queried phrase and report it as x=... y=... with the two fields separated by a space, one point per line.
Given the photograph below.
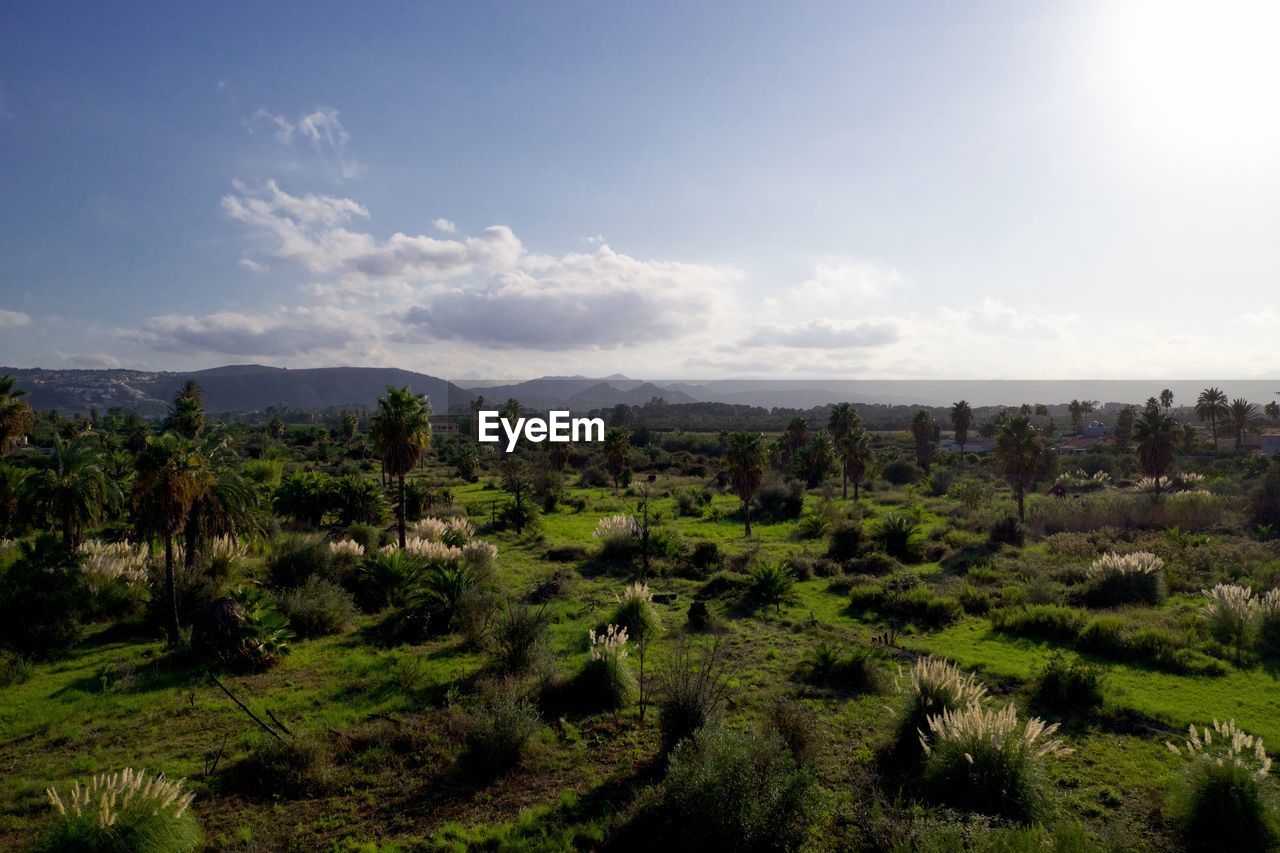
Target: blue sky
x=662 y=189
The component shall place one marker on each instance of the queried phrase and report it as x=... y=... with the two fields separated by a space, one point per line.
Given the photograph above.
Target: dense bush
x=635 y=612
x=906 y=602
x=771 y=584
x=1042 y=621
x=316 y=608
x=497 y=726
x=1264 y=506
x=797 y=726
x=857 y=670
x=297 y=558
x=1115 y=579
x=1068 y=685
x=899 y=537
x=1007 y=531
x=929 y=687
x=846 y=541
x=691 y=690
x=520 y=637
x=605 y=682
x=289 y=768
x=733 y=790
x=902 y=472
x=1226 y=801
x=42 y=599
x=122 y=812
x=779 y=501
x=242 y=629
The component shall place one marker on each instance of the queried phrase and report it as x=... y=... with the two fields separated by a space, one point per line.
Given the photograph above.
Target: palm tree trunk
x=171 y=591
x=191 y=536
x=856 y=483
x=67 y=542
x=1022 y=512
x=400 y=513
x=1213 y=423
x=746 y=515
x=844 y=483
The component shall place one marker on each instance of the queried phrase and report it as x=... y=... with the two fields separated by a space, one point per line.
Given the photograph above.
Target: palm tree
x=961 y=420
x=855 y=456
x=1076 y=408
x=172 y=475
x=794 y=438
x=275 y=428
x=187 y=414
x=1272 y=411
x=401 y=434
x=1018 y=451
x=840 y=423
x=1245 y=419
x=745 y=458
x=1166 y=400
x=512 y=410
x=617 y=444
x=1187 y=439
x=16 y=417
x=922 y=428
x=73 y=487
x=476 y=406
x=1155 y=434
x=1210 y=406
x=228 y=504
x=350 y=426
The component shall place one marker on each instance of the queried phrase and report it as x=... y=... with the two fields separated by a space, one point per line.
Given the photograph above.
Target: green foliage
x=296 y=558
x=858 y=670
x=243 y=629
x=1007 y=531
x=1068 y=685
x=1043 y=621
x=42 y=599
x=289 y=768
x=318 y=607
x=605 y=682
x=770 y=584
x=733 y=790
x=691 y=691
x=124 y=812
x=1226 y=799
x=1264 y=506
x=636 y=613
x=520 y=637
x=497 y=725
x=387 y=579
x=898 y=536
x=902 y=472
x=846 y=541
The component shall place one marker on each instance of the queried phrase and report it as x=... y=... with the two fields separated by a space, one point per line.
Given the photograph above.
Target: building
x=443 y=425
x=1082 y=444
x=975 y=444
x=1269 y=444
x=1096 y=429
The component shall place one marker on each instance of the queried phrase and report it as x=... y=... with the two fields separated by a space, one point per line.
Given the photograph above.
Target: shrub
x=1264 y=506
x=520 y=637
x=874 y=563
x=1043 y=621
x=780 y=501
x=14 y=669
x=859 y=670
x=1068 y=685
x=1115 y=579
x=636 y=614
x=291 y=768
x=704 y=559
x=1230 y=611
x=1269 y=622
x=973 y=600
x=1007 y=531
x=899 y=537
x=732 y=790
x=122 y=811
x=41 y=603
x=605 y=682
x=797 y=727
x=846 y=541
x=902 y=472
x=983 y=759
x=691 y=691
x=1225 y=802
x=367 y=536
x=617 y=535
x=770 y=584
x=922 y=606
x=242 y=629
x=480 y=556
x=929 y=687
x=387 y=578
x=298 y=558
x=439 y=594
x=318 y=607
x=497 y=727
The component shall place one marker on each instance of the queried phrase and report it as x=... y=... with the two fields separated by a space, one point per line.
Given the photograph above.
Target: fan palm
x=1155 y=433
x=73 y=488
x=617 y=444
x=745 y=458
x=855 y=455
x=842 y=421
x=922 y=430
x=1018 y=451
x=187 y=415
x=1212 y=406
x=961 y=420
x=16 y=417
x=227 y=507
x=1244 y=419
x=401 y=433
x=172 y=477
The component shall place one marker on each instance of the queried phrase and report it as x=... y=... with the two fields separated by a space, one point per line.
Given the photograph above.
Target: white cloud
x=321 y=128
x=442 y=224
x=253 y=266
x=282 y=332
x=827 y=334
x=13 y=319
x=1266 y=317
x=843 y=280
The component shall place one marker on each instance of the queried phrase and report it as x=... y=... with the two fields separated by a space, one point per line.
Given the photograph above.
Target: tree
x=401 y=434
x=186 y=417
x=512 y=410
x=745 y=459
x=1212 y=406
x=922 y=430
x=228 y=504
x=1166 y=400
x=818 y=458
x=275 y=428
x=1076 y=408
x=16 y=417
x=1124 y=427
x=1272 y=411
x=1018 y=451
x=350 y=425
x=1244 y=419
x=793 y=441
x=477 y=405
x=1188 y=439
x=1155 y=434
x=842 y=421
x=517 y=481
x=73 y=487
x=172 y=475
x=617 y=444
x=855 y=455
x=961 y=420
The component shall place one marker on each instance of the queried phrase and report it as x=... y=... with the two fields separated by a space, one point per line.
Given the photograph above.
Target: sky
x=661 y=189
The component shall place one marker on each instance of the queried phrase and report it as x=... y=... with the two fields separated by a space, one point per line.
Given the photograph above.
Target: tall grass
x=1195 y=510
x=929 y=687
x=123 y=811
x=1226 y=801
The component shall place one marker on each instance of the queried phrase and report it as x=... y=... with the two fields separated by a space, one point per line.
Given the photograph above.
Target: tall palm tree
x=794 y=438
x=187 y=414
x=172 y=475
x=476 y=406
x=840 y=423
x=617 y=444
x=1244 y=419
x=1272 y=411
x=922 y=428
x=1018 y=451
x=1187 y=439
x=1076 y=408
x=228 y=504
x=275 y=428
x=401 y=434
x=73 y=487
x=1155 y=434
x=855 y=456
x=350 y=426
x=961 y=420
x=512 y=409
x=1166 y=400
x=745 y=459
x=1212 y=406
x=16 y=417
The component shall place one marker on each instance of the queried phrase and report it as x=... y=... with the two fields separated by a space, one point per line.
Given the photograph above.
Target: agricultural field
x=352 y=638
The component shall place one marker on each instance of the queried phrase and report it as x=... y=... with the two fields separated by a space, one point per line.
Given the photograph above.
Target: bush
x=1230 y=612
x=797 y=727
x=316 y=608
x=42 y=600
x=122 y=812
x=770 y=584
x=635 y=612
x=921 y=606
x=1007 y=531
x=367 y=536
x=982 y=759
x=242 y=630
x=691 y=691
x=704 y=559
x=732 y=790
x=899 y=537
x=973 y=600
x=298 y=558
x=1068 y=685
x=497 y=727
x=857 y=671
x=929 y=687
x=618 y=536
x=520 y=637
x=1116 y=579
x=14 y=669
x=605 y=682
x=290 y=768
x=780 y=501
x=1225 y=801
x=387 y=578
x=874 y=563
x=1264 y=506
x=902 y=472
x=1042 y=621
x=846 y=542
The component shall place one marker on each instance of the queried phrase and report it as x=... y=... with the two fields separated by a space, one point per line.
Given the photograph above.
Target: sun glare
x=1197 y=79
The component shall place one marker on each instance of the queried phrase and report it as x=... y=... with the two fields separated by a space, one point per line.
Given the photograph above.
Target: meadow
x=352 y=637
